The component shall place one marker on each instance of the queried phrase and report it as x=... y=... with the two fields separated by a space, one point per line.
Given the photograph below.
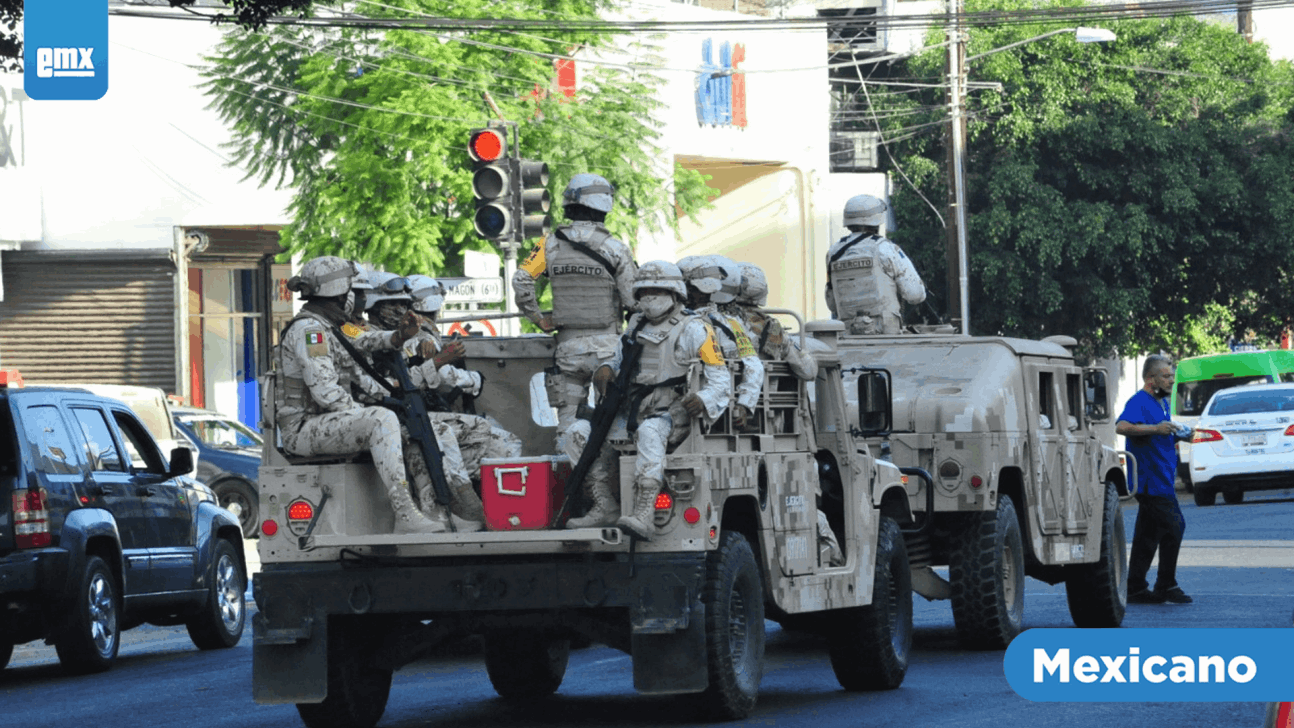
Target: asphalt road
x=1237 y=563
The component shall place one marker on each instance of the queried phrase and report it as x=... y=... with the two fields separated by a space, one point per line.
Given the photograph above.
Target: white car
x=1244 y=441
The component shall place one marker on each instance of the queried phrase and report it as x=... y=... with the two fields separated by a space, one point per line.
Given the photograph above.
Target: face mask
x=388 y=315
x=655 y=307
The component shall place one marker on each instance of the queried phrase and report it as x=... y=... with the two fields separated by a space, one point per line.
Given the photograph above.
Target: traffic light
x=532 y=191
x=493 y=184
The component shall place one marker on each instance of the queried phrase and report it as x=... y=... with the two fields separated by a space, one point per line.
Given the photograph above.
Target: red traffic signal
x=487 y=145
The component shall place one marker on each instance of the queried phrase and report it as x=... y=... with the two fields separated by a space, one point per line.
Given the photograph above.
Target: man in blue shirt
x=1151 y=437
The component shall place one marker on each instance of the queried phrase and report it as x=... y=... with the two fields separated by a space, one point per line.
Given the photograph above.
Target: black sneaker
x=1145 y=596
x=1174 y=596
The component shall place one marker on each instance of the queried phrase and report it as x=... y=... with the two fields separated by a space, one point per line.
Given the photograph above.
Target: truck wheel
x=1184 y=472
x=869 y=645
x=1097 y=593
x=1233 y=496
x=219 y=623
x=1205 y=496
x=523 y=665
x=91 y=636
x=986 y=568
x=734 y=629
x=6 y=652
x=357 y=689
x=232 y=492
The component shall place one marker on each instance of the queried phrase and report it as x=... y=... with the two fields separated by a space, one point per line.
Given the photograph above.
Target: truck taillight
x=31 y=519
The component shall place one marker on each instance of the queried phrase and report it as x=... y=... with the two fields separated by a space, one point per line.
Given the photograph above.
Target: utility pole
x=956 y=250
x=1245 y=19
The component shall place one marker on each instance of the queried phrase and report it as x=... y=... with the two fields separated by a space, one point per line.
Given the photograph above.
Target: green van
x=1200 y=377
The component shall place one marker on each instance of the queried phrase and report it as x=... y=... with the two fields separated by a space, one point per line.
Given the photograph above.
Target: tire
x=92 y=635
x=1184 y=472
x=1233 y=497
x=220 y=622
x=870 y=645
x=237 y=492
x=6 y=652
x=986 y=568
x=734 y=629
x=524 y=665
x=1098 y=593
x=357 y=689
x=1205 y=496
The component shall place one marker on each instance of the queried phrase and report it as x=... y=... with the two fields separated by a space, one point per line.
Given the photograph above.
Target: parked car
x=230 y=455
x=1244 y=441
x=98 y=533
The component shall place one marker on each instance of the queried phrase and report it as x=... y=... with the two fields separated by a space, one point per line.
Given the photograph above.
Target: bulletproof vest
x=657 y=363
x=291 y=396
x=584 y=288
x=859 y=285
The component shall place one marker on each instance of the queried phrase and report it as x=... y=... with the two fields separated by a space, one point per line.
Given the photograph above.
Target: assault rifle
x=604 y=415
x=408 y=404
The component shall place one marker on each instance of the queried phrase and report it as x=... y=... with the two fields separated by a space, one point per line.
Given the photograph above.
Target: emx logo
x=64 y=62
x=65 y=55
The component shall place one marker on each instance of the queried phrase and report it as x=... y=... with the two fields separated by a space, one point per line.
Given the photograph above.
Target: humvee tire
x=357 y=689
x=1205 y=496
x=523 y=665
x=986 y=568
x=1097 y=593
x=734 y=629
x=870 y=645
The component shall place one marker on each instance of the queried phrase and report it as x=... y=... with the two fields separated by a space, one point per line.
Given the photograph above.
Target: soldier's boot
x=437 y=513
x=408 y=519
x=466 y=504
x=605 y=508
x=641 y=522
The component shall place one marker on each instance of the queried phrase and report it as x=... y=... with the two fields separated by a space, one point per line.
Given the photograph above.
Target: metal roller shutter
x=89 y=317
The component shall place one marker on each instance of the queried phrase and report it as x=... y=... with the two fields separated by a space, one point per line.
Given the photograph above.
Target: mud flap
x=291 y=673
x=674 y=662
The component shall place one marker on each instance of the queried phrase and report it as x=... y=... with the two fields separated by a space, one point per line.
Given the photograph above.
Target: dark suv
x=98 y=533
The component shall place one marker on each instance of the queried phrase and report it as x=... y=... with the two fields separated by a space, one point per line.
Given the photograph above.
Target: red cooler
x=523 y=493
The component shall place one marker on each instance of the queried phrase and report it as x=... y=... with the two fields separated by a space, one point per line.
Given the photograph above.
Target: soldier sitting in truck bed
x=660 y=407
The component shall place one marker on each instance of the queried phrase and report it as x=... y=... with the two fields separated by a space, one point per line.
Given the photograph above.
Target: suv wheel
x=219 y=623
x=238 y=496
x=91 y=635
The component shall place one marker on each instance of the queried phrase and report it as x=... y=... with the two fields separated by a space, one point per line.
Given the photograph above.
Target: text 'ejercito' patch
x=1136 y=665
x=65 y=49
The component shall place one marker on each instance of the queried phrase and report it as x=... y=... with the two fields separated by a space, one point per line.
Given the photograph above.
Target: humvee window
x=1074 y=400
x=1046 y=401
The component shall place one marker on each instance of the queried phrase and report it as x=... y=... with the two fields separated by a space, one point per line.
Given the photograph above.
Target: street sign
x=476 y=290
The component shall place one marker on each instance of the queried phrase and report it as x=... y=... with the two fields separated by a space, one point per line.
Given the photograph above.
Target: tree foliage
x=369 y=127
x=1107 y=201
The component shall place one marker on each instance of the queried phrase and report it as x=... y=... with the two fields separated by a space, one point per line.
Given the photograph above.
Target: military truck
x=343 y=602
x=1023 y=485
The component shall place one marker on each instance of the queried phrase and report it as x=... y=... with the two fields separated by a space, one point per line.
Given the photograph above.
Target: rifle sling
x=362 y=361
x=849 y=245
x=589 y=251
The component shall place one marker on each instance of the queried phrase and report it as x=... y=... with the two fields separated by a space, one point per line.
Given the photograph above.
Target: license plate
x=1253 y=440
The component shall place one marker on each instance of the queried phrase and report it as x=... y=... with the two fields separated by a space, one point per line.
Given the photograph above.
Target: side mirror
x=181 y=462
x=875 y=407
x=1098 y=402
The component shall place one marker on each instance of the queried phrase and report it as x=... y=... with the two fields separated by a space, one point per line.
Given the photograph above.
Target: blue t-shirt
x=1156 y=454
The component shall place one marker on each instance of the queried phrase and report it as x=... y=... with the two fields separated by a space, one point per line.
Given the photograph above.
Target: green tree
x=1106 y=201
x=369 y=127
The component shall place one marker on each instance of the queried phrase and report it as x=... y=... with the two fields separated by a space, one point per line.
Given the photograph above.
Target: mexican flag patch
x=315 y=337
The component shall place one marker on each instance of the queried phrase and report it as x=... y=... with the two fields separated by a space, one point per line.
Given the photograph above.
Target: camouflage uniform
x=318 y=414
x=866 y=274
x=588 y=306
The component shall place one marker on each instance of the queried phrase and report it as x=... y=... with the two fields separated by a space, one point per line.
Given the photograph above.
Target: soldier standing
x=316 y=411
x=661 y=405
x=866 y=273
x=592 y=276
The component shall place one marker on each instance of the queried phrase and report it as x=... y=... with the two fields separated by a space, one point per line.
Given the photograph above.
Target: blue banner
x=1155 y=665
x=65 y=49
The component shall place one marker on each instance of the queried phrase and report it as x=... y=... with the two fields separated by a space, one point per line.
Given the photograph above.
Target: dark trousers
x=1160 y=525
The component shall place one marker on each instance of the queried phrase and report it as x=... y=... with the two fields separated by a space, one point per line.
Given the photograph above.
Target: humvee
x=1023 y=485
x=343 y=602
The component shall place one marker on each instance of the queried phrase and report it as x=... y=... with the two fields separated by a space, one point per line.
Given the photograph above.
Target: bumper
x=1212 y=470
x=39 y=573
